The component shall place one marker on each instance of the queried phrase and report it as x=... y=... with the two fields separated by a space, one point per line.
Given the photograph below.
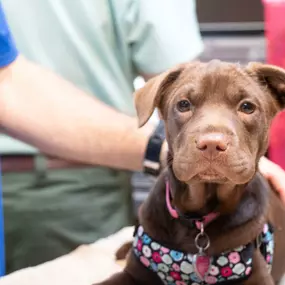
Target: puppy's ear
x=150 y=95
x=272 y=78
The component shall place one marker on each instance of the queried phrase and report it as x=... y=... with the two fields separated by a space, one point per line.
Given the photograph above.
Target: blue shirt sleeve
x=2 y=237
x=8 y=53
x=8 y=50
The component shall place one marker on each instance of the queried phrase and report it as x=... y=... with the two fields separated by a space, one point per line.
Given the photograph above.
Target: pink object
x=276 y=151
x=171 y=211
x=140 y=245
x=202 y=265
x=274 y=11
x=176 y=267
x=248 y=271
x=234 y=257
x=206 y=219
x=164 y=249
x=226 y=271
x=175 y=275
x=274 y=16
x=144 y=261
x=156 y=257
x=181 y=283
x=211 y=280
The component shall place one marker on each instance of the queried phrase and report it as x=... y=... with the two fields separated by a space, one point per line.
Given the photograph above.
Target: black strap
x=152 y=156
x=136 y=230
x=260 y=244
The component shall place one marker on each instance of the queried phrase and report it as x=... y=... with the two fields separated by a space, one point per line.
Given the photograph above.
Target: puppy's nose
x=212 y=144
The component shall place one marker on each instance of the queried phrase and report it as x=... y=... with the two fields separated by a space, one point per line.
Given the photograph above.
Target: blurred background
x=232 y=30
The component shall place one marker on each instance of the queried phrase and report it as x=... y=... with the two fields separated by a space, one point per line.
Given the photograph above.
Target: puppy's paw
x=123 y=251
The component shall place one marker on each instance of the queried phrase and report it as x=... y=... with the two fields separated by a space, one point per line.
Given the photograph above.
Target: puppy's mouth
x=210 y=176
x=215 y=172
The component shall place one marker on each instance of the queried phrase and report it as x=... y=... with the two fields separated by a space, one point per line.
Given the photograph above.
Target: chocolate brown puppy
x=211 y=218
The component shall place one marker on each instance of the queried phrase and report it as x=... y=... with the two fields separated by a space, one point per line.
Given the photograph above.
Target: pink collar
x=205 y=220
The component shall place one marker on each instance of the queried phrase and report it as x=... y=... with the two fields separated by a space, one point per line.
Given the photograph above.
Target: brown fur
x=223 y=178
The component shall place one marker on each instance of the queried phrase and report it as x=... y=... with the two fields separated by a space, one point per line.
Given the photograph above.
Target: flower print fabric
x=176 y=268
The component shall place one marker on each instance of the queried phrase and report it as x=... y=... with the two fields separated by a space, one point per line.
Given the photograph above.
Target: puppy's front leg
x=260 y=274
x=122 y=278
x=124 y=250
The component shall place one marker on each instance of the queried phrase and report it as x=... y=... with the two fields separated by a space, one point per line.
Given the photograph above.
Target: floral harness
x=177 y=268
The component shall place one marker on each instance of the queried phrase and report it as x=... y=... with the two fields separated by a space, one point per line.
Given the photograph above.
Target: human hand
x=274 y=174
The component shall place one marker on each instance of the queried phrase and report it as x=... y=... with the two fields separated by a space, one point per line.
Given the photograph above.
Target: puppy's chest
x=180 y=268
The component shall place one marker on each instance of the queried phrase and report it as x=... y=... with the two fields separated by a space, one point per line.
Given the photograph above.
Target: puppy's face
x=216 y=116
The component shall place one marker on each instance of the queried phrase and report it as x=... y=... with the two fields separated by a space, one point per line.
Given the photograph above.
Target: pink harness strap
x=206 y=219
x=171 y=211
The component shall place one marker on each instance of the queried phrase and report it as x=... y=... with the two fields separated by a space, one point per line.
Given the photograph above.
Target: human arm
x=44 y=110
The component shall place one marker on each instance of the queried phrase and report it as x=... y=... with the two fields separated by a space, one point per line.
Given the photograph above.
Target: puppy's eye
x=184 y=105
x=247 y=108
